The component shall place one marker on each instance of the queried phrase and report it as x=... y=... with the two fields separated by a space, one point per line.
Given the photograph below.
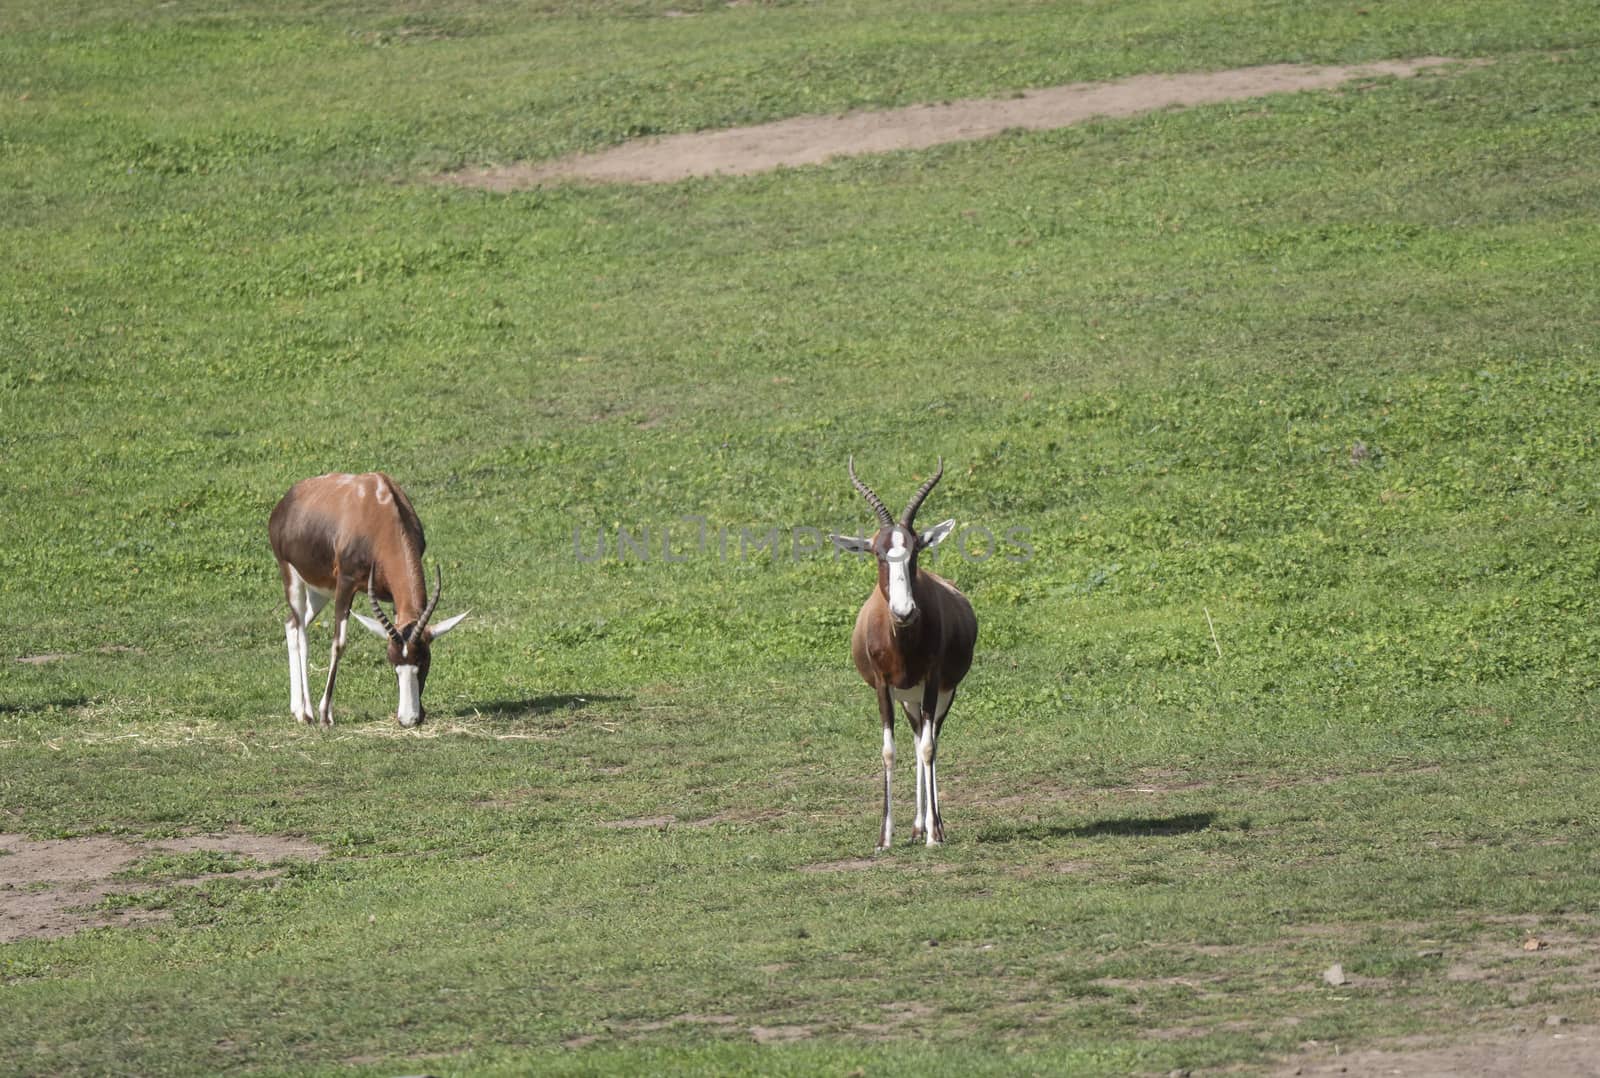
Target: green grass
x=1295 y=400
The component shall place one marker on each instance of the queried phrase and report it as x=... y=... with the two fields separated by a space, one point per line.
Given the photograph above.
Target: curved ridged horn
x=383 y=619
x=427 y=611
x=916 y=499
x=885 y=517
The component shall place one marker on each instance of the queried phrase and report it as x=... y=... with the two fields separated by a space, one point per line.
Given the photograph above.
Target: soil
x=49 y=889
x=1561 y=1052
x=811 y=140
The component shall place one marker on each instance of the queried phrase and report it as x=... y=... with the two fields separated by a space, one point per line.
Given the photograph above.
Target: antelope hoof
x=916 y=834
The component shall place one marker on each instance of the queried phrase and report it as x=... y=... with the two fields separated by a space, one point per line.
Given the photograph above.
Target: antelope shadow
x=531 y=706
x=66 y=703
x=1186 y=823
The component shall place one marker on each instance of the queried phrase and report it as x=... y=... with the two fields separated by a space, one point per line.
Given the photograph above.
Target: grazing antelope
x=335 y=535
x=913 y=644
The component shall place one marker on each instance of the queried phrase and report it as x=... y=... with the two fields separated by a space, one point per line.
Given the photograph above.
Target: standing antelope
x=336 y=535
x=912 y=643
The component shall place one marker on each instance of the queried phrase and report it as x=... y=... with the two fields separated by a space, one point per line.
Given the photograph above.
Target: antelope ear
x=936 y=534
x=436 y=631
x=377 y=629
x=851 y=544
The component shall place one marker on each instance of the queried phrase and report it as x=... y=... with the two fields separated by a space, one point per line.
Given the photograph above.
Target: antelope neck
x=408 y=590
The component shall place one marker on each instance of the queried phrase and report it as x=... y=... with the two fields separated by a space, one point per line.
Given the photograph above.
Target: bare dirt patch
x=1550 y=1052
x=654 y=1025
x=899 y=1018
x=849 y=864
x=635 y=1028
x=658 y=823
x=913 y=863
x=812 y=140
x=780 y=1034
x=48 y=889
x=735 y=817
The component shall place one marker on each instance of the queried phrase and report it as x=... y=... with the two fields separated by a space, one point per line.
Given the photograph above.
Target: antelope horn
x=885 y=518
x=917 y=498
x=383 y=619
x=427 y=611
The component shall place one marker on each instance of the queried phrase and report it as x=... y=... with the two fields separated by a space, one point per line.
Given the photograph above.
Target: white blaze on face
x=899 y=558
x=410 y=710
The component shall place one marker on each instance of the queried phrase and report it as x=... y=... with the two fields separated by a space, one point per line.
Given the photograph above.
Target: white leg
x=325 y=709
x=935 y=820
x=307 y=602
x=919 y=823
x=925 y=751
x=886 y=831
x=307 y=713
x=294 y=629
x=909 y=703
x=297 y=669
x=914 y=701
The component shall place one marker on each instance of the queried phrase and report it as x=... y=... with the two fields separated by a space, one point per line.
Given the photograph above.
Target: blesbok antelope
x=912 y=643
x=335 y=535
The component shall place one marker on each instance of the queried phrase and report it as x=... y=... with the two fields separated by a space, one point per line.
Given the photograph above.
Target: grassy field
x=1294 y=403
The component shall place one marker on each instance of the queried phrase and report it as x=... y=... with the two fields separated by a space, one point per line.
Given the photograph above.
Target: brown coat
x=313 y=529
x=944 y=631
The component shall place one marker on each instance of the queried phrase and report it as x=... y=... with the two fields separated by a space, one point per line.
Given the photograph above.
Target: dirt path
x=810 y=140
x=1545 y=1053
